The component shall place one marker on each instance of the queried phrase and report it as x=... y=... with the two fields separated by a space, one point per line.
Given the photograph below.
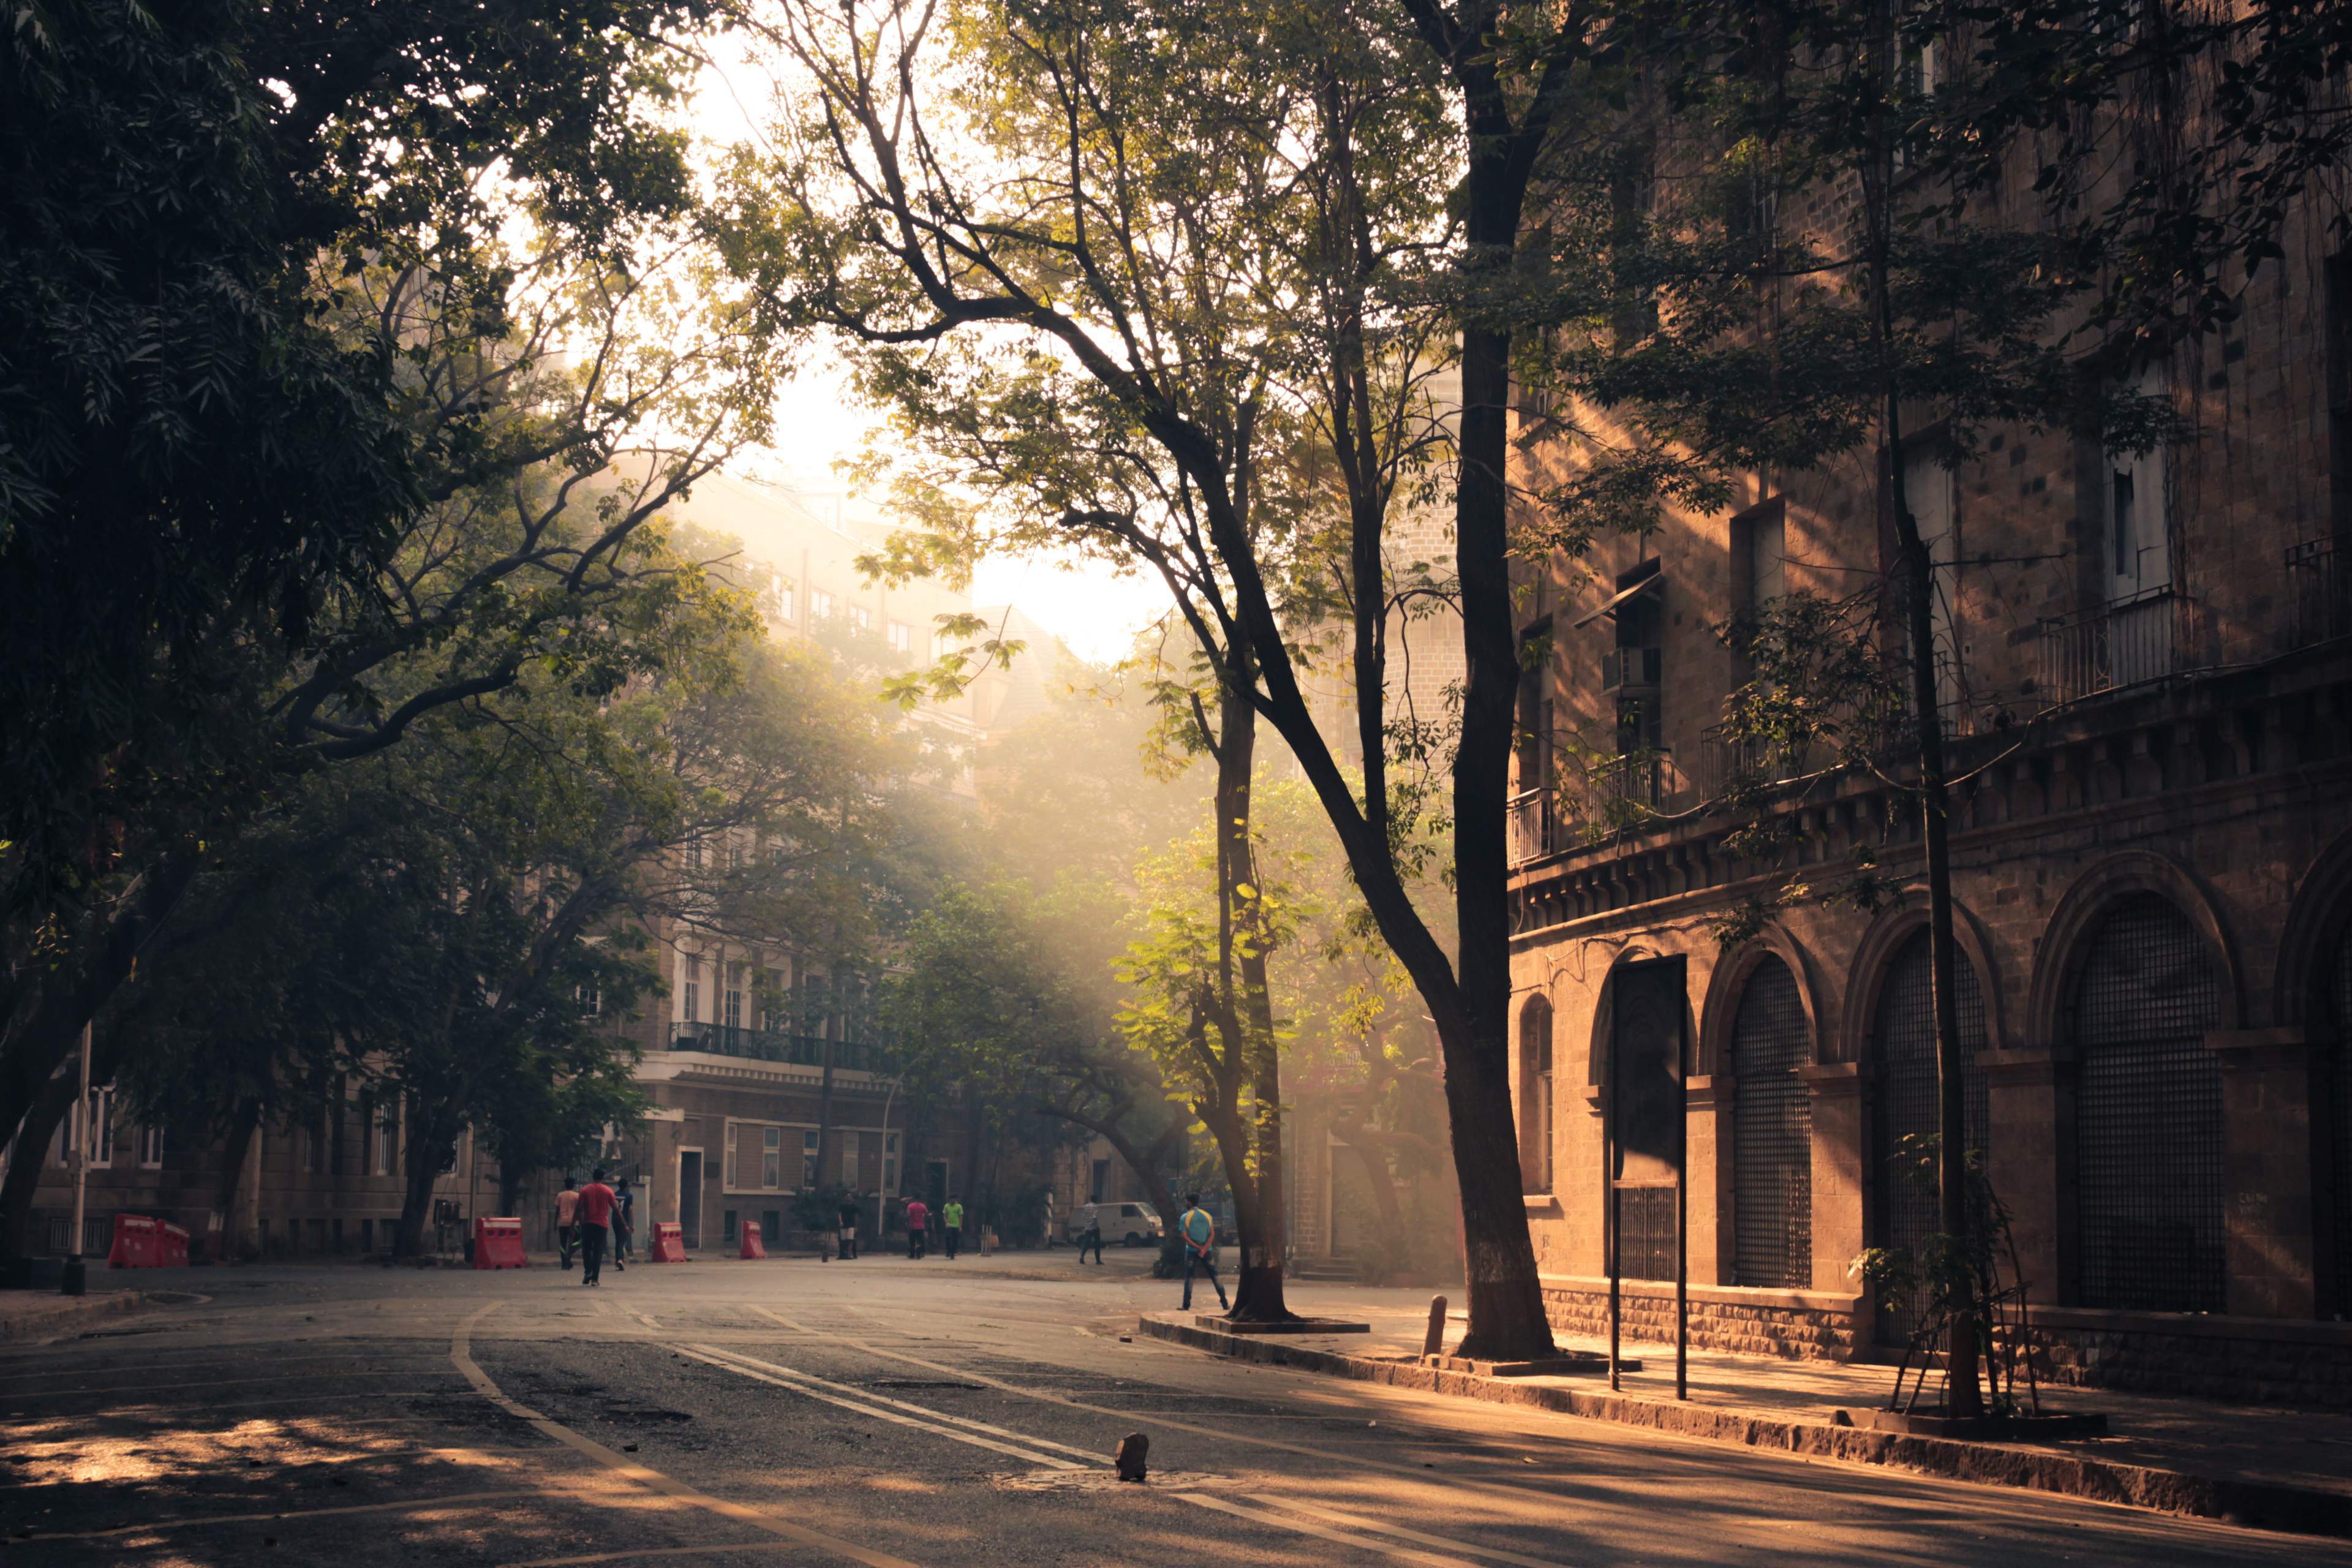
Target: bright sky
x=819 y=423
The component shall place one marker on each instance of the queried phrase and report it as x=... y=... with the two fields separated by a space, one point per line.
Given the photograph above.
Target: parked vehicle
x=1130 y=1224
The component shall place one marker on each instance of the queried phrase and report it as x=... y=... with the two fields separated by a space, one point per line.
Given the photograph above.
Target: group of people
x=585 y=1217
x=918 y=1227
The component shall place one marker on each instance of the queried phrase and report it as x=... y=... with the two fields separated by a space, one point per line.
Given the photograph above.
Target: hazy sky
x=818 y=423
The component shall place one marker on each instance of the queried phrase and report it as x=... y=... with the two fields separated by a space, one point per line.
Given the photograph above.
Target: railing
x=771 y=1046
x=1636 y=780
x=1529 y=826
x=2319 y=593
x=1730 y=762
x=2120 y=645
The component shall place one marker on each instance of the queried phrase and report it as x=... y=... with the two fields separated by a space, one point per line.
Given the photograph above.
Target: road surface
x=888 y=1413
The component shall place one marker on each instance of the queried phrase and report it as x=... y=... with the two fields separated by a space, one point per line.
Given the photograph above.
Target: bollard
x=1133 y=1450
x=1432 y=1343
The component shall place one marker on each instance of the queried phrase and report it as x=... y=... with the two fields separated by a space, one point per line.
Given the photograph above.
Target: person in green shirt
x=1200 y=1233
x=951 y=1216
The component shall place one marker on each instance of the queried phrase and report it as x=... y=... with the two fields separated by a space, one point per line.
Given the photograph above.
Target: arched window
x=1535 y=1096
x=2147 y=1115
x=1771 y=1134
x=1907 y=1100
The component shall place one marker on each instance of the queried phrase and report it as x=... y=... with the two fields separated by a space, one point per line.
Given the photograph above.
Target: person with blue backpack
x=1199 y=1234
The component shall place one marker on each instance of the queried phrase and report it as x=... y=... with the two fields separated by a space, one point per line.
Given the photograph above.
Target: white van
x=1129 y=1225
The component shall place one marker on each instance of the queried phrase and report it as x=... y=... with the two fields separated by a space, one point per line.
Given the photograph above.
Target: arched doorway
x=1771 y=1134
x=1904 y=1212
x=1535 y=1096
x=2147 y=1115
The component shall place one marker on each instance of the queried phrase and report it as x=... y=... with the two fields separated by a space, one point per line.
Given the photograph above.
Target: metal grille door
x=1771 y=1135
x=2147 y=1116
x=1904 y=1212
x=1645 y=1235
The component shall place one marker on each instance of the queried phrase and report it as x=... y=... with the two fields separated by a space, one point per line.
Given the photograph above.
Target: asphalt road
x=887 y=1413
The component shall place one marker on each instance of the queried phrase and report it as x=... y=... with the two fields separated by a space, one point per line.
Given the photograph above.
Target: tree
x=1104 y=283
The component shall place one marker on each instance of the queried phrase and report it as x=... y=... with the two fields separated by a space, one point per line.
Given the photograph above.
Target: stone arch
x=1873 y=960
x=1604 y=1013
x=1730 y=981
x=2074 y=924
x=2314 y=923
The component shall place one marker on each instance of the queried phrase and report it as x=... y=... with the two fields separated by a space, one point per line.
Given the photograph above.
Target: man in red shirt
x=596 y=1213
x=918 y=1220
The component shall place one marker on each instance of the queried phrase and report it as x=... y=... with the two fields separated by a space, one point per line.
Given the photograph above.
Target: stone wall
x=2249 y=1359
x=1790 y=1325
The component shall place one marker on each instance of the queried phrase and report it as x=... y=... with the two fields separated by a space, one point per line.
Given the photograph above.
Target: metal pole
x=77 y=1273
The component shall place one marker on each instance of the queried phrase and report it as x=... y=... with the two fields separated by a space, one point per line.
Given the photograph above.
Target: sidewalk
x=42 y=1314
x=2274 y=1468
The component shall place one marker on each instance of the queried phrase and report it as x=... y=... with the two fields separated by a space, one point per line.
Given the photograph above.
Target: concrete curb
x=35 y=1322
x=2252 y=1503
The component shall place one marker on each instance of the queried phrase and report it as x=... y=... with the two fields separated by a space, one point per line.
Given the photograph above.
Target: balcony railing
x=2319 y=593
x=1529 y=826
x=2123 y=644
x=771 y=1046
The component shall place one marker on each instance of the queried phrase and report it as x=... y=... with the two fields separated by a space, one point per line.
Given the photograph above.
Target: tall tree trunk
x=49 y=1108
x=431 y=1144
x=245 y=1125
x=1252 y=1147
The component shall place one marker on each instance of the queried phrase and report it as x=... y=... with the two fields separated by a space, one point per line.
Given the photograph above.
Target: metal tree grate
x=1904 y=1212
x=1771 y=1134
x=1645 y=1232
x=2147 y=1116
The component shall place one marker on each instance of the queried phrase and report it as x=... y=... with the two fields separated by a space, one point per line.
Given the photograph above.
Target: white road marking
x=962 y=1430
x=875 y=1411
x=1402 y=1553
x=641 y=1554
x=461 y=1357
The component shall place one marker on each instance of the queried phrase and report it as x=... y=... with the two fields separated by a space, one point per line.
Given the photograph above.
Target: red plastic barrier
x=752 y=1248
x=497 y=1243
x=174 y=1245
x=135 y=1244
x=669 y=1242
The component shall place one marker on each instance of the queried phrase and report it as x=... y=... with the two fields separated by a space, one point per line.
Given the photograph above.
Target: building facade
x=2149 y=693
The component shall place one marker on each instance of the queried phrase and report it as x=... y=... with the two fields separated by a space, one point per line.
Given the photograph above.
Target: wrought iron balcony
x=1529 y=826
x=773 y=1046
x=2124 y=644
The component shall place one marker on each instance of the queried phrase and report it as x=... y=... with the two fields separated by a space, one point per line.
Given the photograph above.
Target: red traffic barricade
x=134 y=1245
x=669 y=1242
x=497 y=1243
x=173 y=1244
x=752 y=1248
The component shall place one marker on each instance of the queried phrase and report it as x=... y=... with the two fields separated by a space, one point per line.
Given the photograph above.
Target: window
x=734 y=1016
x=780 y=598
x=102 y=1129
x=1535 y=1096
x=773 y=1014
x=820 y=604
x=2137 y=543
x=387 y=1138
x=308 y=1138
x=734 y=853
x=591 y=997
x=772 y=1158
x=1098 y=1181
x=861 y=617
x=889 y=1163
x=726 y=1156
x=902 y=637
x=808 y=1158
x=1772 y=1134
x=849 y=1159
x=150 y=1147
x=727 y=1226
x=690 y=994
x=1759 y=555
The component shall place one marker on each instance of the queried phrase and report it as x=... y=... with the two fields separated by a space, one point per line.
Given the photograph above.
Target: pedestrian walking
x=952 y=1219
x=1200 y=1233
x=567 y=1219
x=624 y=1224
x=597 y=1202
x=1091 y=1236
x=845 y=1228
x=918 y=1220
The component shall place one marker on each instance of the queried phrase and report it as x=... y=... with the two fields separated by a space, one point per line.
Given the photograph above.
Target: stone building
x=2149 y=689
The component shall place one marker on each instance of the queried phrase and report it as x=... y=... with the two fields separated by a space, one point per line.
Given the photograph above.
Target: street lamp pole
x=77 y=1275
